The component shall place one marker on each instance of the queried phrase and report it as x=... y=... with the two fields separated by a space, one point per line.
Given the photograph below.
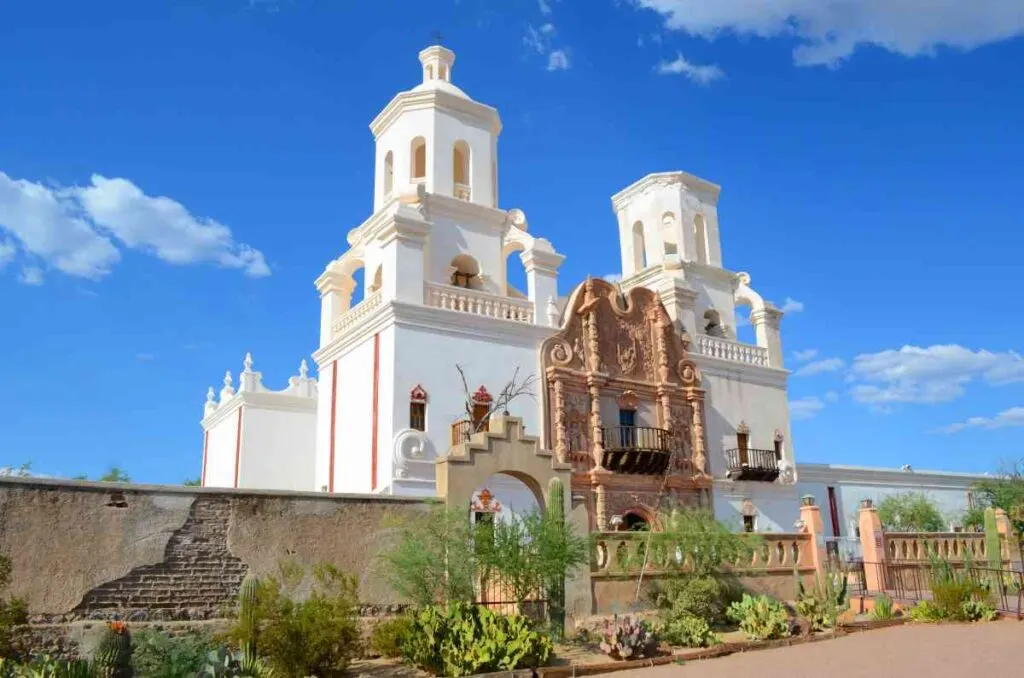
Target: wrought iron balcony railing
x=636 y=449
x=462 y=430
x=751 y=464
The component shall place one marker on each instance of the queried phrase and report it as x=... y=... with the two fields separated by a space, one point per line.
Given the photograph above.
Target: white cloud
x=545 y=6
x=7 y=252
x=702 y=75
x=536 y=40
x=828 y=31
x=76 y=230
x=820 y=366
x=145 y=357
x=831 y=397
x=558 y=60
x=928 y=375
x=548 y=29
x=1013 y=416
x=791 y=305
x=805 y=408
x=804 y=356
x=31 y=275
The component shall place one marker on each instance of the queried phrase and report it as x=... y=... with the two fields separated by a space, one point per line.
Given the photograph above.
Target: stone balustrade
x=733 y=351
x=459 y=299
x=357 y=313
x=625 y=553
x=908 y=547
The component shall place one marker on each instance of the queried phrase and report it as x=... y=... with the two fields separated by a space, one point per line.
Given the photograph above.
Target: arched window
x=516 y=282
x=668 y=233
x=418 y=408
x=389 y=173
x=465 y=272
x=419 y=159
x=460 y=170
x=444 y=72
x=700 y=232
x=639 y=247
x=713 y=324
x=430 y=72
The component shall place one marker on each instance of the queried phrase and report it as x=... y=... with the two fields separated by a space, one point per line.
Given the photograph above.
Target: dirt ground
x=909 y=651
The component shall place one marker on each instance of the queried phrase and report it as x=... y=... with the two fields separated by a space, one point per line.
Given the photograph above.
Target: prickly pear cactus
x=114 y=655
x=628 y=638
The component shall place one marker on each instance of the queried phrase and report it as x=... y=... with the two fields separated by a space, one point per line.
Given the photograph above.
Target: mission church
x=640 y=389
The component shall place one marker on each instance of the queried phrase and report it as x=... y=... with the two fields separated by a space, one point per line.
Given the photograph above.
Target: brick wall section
x=198 y=579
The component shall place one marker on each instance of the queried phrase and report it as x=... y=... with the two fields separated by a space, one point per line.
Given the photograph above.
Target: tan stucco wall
x=65 y=539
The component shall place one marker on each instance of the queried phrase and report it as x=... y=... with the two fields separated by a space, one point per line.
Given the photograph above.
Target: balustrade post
x=872 y=546
x=814 y=527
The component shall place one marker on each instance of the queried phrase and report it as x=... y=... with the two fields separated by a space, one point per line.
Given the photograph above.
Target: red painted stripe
x=206 y=445
x=376 y=389
x=334 y=411
x=238 y=444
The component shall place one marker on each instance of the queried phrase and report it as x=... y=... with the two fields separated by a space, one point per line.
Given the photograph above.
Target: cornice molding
x=746 y=372
x=707 y=191
x=438 y=205
x=865 y=475
x=452 y=104
x=265 y=401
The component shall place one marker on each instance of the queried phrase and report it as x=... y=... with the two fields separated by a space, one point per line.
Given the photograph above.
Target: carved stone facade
x=623 y=352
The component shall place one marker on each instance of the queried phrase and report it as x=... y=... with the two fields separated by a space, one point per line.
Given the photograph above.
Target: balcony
x=750 y=464
x=639 y=450
x=733 y=351
x=462 y=431
x=357 y=313
x=463 y=300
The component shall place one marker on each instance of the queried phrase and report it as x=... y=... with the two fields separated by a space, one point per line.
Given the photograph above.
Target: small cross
x=436 y=35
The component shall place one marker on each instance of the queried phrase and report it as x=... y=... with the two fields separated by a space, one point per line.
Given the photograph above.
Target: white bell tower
x=434 y=135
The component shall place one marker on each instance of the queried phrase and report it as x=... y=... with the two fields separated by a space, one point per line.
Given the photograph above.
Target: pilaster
x=766 y=324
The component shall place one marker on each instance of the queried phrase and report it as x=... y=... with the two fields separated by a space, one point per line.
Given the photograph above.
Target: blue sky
x=174 y=175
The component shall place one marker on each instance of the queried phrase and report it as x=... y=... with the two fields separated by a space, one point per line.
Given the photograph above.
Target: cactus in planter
x=628 y=639
x=556 y=596
x=114 y=655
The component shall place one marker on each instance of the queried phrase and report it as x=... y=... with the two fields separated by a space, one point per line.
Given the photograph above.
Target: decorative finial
x=227 y=379
x=303 y=369
x=228 y=389
x=210 y=395
x=248 y=362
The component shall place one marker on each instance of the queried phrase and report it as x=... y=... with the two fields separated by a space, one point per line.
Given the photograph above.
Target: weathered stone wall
x=84 y=550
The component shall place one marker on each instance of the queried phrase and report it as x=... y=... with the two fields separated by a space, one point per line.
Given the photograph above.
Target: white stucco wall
x=353 y=421
x=220 y=451
x=949 y=491
x=777 y=506
x=279 y=447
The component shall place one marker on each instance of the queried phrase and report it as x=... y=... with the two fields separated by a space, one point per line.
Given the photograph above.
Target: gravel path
x=910 y=651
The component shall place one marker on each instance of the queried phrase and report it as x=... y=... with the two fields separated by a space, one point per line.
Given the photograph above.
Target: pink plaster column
x=872 y=546
x=1006 y=536
x=814 y=525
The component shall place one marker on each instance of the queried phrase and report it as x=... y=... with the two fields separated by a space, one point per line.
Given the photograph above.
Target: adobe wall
x=82 y=550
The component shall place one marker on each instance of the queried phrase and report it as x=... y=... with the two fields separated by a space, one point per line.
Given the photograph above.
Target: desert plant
x=628 y=638
x=993 y=540
x=387 y=636
x=462 y=639
x=883 y=608
x=156 y=654
x=13 y=611
x=977 y=610
x=556 y=585
x=113 y=657
x=223 y=663
x=826 y=600
x=952 y=587
x=760 y=618
x=316 y=636
x=688 y=631
x=692 y=540
x=431 y=559
x=925 y=611
x=702 y=596
x=45 y=666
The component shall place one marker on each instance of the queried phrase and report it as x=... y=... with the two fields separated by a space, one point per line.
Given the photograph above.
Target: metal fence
x=495 y=592
x=913 y=582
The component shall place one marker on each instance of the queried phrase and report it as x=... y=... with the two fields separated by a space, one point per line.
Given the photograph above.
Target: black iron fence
x=913 y=582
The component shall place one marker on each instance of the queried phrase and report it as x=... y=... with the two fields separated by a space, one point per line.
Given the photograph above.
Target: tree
x=432 y=559
x=114 y=475
x=910 y=512
x=701 y=544
x=1006 y=491
x=23 y=471
x=192 y=482
x=516 y=387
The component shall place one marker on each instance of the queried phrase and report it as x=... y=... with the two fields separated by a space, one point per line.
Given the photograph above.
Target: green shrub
x=977 y=610
x=688 y=631
x=925 y=612
x=760 y=618
x=883 y=608
x=628 y=638
x=463 y=639
x=704 y=597
x=45 y=666
x=156 y=654
x=13 y=611
x=387 y=636
x=823 y=604
x=223 y=663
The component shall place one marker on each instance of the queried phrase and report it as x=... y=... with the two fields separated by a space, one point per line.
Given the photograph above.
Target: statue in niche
x=713 y=327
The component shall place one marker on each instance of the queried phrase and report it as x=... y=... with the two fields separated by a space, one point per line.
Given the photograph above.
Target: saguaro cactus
x=993 y=540
x=247 y=601
x=556 y=594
